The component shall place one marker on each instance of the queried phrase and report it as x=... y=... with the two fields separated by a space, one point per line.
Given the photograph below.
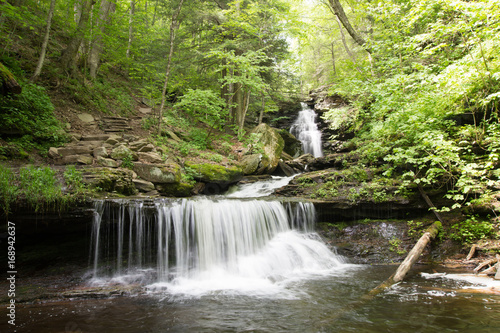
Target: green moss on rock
x=175 y=190
x=214 y=173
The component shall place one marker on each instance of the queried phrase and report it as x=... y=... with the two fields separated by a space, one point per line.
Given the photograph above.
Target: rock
x=107 y=162
x=273 y=145
x=214 y=173
x=78 y=159
x=53 y=153
x=175 y=190
x=112 y=141
x=75 y=136
x=173 y=136
x=145 y=110
x=137 y=145
x=250 y=163
x=147 y=148
x=149 y=157
x=143 y=185
x=159 y=173
x=95 y=137
x=110 y=180
x=122 y=152
x=86 y=117
x=100 y=152
x=293 y=146
x=75 y=150
x=287 y=170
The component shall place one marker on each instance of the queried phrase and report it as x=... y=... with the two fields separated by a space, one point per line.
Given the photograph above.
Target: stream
x=222 y=264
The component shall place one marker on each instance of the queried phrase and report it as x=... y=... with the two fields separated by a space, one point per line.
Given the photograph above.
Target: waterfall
x=170 y=240
x=306 y=130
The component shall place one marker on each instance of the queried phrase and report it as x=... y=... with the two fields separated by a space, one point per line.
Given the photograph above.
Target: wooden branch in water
x=410 y=259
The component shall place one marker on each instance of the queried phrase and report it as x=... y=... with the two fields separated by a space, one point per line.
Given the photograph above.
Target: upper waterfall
x=306 y=130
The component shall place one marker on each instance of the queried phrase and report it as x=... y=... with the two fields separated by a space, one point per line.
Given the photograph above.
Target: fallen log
x=471 y=252
x=497 y=275
x=482 y=265
x=410 y=259
x=8 y=83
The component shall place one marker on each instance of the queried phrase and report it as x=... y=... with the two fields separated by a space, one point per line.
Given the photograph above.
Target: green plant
x=395 y=246
x=471 y=230
x=74 y=179
x=415 y=229
x=8 y=189
x=40 y=187
x=127 y=162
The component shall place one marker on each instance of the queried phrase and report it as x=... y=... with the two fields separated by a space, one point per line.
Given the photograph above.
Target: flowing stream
x=220 y=264
x=306 y=130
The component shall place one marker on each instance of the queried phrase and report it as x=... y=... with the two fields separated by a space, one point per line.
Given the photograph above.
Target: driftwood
x=471 y=252
x=8 y=84
x=482 y=265
x=497 y=275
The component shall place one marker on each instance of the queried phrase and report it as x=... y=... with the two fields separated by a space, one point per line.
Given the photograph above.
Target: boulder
x=214 y=173
x=159 y=173
x=147 y=148
x=293 y=146
x=143 y=185
x=100 y=152
x=121 y=152
x=86 y=117
x=175 y=190
x=107 y=162
x=53 y=153
x=149 y=157
x=110 y=180
x=250 y=163
x=137 y=145
x=272 y=145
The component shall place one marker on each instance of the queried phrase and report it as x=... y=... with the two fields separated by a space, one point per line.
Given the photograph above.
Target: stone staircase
x=115 y=124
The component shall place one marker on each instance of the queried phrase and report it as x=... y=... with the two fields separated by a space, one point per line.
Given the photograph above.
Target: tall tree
x=105 y=9
x=174 y=25
x=69 y=55
x=45 y=43
x=130 y=26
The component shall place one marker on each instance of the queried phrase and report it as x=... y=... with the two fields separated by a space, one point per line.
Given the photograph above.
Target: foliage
x=471 y=230
x=74 y=179
x=127 y=162
x=40 y=188
x=8 y=189
x=204 y=106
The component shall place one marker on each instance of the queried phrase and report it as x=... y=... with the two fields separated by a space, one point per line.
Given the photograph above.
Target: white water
x=197 y=247
x=258 y=189
x=306 y=130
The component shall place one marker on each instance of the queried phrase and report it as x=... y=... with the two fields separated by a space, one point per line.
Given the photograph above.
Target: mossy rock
x=293 y=146
x=175 y=190
x=272 y=143
x=110 y=180
x=168 y=173
x=214 y=173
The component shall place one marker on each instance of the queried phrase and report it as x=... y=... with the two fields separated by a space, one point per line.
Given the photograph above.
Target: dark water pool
x=326 y=303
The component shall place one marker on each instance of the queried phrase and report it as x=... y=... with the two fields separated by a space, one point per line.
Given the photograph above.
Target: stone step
x=95 y=137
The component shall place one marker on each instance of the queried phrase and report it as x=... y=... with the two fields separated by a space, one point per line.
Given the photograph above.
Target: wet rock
x=175 y=190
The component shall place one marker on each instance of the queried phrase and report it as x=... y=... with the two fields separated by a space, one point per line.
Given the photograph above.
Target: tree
x=105 y=9
x=69 y=55
x=339 y=12
x=174 y=25
x=43 y=51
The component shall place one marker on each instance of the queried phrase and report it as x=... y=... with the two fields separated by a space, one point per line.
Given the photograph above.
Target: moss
x=110 y=180
x=213 y=173
x=175 y=190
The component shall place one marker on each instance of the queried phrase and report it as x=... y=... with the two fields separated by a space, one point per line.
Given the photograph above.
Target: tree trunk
x=339 y=12
x=45 y=43
x=97 y=44
x=347 y=47
x=69 y=55
x=263 y=108
x=174 y=25
x=130 y=27
x=332 y=51
x=410 y=259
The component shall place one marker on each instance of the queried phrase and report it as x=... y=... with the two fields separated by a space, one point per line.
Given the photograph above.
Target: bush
x=471 y=230
x=40 y=187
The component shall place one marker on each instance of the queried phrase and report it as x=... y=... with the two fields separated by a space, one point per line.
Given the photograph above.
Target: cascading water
x=306 y=130
x=205 y=245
